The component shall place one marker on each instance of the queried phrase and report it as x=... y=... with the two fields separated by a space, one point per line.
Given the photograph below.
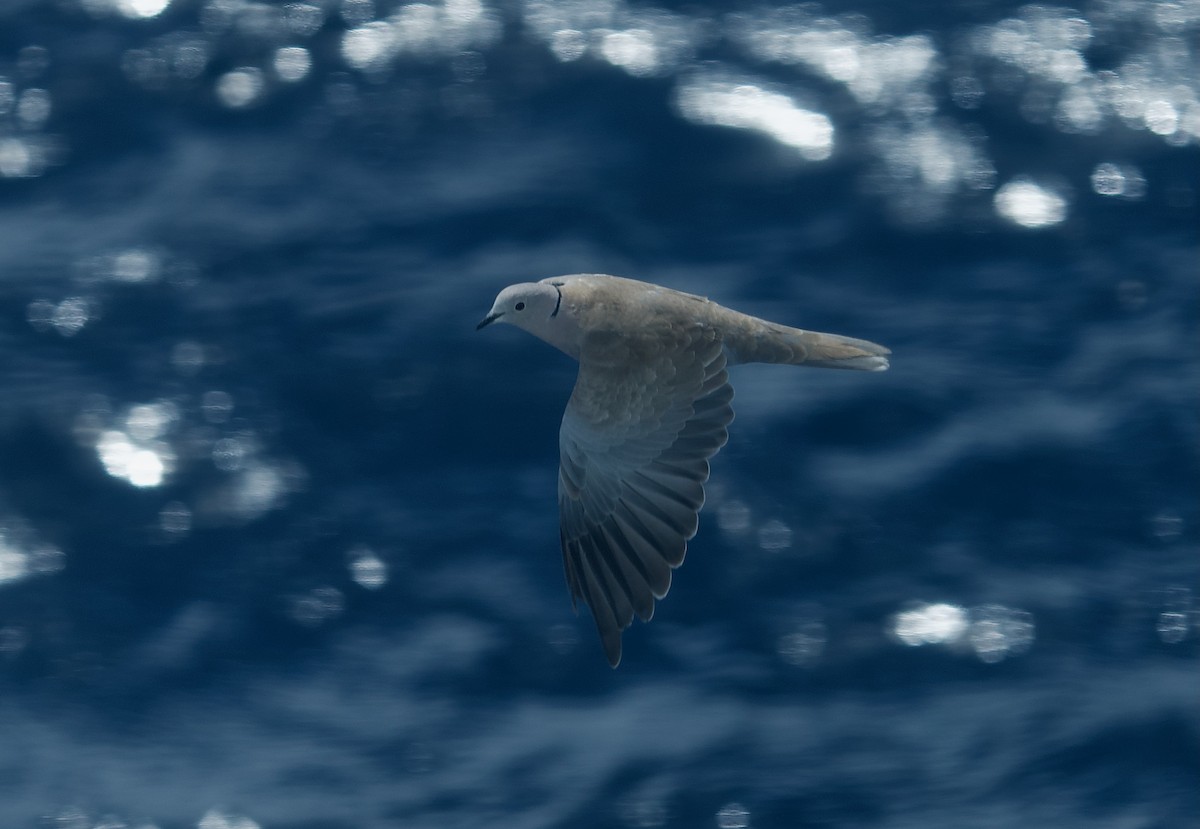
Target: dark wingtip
x=612 y=648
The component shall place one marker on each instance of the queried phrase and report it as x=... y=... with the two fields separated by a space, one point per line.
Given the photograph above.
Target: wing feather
x=601 y=607
x=642 y=551
x=646 y=415
x=637 y=576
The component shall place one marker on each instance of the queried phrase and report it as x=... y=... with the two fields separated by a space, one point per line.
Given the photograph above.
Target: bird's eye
x=520 y=306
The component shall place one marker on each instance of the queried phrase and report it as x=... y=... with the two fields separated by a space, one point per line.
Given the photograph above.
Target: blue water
x=278 y=541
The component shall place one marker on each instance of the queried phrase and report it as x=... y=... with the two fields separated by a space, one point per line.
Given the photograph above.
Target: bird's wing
x=646 y=414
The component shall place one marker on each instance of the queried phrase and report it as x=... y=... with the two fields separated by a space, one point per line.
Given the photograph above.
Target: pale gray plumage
x=650 y=407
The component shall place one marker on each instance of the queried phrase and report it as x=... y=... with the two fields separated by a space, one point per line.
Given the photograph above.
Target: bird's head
x=528 y=305
x=536 y=307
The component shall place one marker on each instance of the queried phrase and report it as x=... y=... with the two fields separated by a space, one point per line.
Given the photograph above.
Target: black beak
x=488 y=320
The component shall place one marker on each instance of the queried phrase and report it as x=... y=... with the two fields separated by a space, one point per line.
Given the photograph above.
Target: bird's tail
x=751 y=340
x=836 y=351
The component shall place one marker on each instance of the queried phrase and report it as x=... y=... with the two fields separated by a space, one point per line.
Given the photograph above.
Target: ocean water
x=278 y=541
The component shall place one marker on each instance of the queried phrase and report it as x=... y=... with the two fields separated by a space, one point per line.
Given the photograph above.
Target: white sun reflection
x=367 y=46
x=241 y=88
x=149 y=421
x=876 y=70
x=445 y=28
x=216 y=819
x=366 y=568
x=14 y=563
x=249 y=489
x=1079 y=110
x=733 y=516
x=568 y=44
x=292 y=63
x=18 y=159
x=640 y=41
x=633 y=50
x=992 y=632
x=745 y=105
x=132 y=446
x=930 y=624
x=258 y=487
x=303 y=19
x=1123 y=180
x=146 y=444
x=229 y=454
x=926 y=163
x=1153 y=88
x=142 y=9
x=136 y=265
x=67 y=318
x=1027 y=204
x=1161 y=117
x=122 y=458
x=33 y=108
x=733 y=816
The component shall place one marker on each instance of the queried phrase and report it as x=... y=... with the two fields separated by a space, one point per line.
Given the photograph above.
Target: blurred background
x=278 y=531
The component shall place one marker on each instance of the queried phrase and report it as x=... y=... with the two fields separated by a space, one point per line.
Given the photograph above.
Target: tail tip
x=869 y=362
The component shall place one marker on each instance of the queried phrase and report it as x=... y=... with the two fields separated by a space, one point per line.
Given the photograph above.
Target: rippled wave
x=277 y=541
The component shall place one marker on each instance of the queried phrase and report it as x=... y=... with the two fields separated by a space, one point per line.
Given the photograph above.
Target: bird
x=651 y=406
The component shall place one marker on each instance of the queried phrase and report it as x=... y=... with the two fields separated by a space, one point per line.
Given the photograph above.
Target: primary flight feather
x=650 y=407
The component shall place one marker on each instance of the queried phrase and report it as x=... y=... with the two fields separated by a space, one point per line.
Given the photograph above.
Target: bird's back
x=612 y=307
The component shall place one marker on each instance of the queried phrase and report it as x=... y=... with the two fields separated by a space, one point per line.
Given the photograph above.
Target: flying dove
x=650 y=407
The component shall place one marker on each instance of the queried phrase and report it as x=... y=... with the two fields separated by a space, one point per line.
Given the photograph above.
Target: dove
x=650 y=408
